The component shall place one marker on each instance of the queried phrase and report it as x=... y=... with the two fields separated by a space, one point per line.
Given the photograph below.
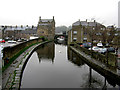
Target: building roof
x=9 y=28
x=29 y=31
x=85 y=23
x=76 y=23
x=109 y=26
x=15 y=28
x=118 y=29
x=46 y=20
x=44 y=24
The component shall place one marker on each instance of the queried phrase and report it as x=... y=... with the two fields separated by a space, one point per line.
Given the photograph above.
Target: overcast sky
x=66 y=12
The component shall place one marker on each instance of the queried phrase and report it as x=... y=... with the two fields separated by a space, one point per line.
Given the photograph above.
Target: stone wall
x=9 y=52
x=0 y=34
x=110 y=73
x=108 y=58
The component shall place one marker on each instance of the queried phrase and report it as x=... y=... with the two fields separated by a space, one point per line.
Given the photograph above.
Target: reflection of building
x=46 y=28
x=72 y=56
x=46 y=52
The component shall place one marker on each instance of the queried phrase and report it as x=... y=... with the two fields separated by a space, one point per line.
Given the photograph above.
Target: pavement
x=12 y=73
x=10 y=70
x=6 y=44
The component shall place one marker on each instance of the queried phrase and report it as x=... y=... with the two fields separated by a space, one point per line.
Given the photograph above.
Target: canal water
x=56 y=66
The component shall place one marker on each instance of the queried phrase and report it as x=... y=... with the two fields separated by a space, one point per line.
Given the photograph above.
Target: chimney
x=79 y=21
x=86 y=20
x=40 y=18
x=53 y=17
x=88 y=23
x=94 y=21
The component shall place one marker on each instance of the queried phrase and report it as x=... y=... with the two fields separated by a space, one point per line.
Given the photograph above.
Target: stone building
x=19 y=32
x=84 y=31
x=0 y=32
x=46 y=28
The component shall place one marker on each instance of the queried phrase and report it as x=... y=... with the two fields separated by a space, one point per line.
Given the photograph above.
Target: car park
x=111 y=49
x=11 y=41
x=95 y=48
x=103 y=50
x=2 y=41
x=86 y=45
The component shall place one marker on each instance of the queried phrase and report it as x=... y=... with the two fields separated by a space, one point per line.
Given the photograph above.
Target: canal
x=56 y=66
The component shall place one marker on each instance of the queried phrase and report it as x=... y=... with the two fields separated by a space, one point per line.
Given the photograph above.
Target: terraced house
x=46 y=28
x=84 y=31
x=19 y=32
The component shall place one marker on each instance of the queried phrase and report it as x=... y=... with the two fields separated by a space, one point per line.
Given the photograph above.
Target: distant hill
x=62 y=29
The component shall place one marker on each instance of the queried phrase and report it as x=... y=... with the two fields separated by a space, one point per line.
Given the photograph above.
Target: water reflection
x=68 y=70
x=60 y=42
x=92 y=79
x=74 y=58
x=46 y=52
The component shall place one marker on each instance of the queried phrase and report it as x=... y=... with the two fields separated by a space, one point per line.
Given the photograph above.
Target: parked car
x=86 y=45
x=100 y=45
x=111 y=49
x=19 y=40
x=11 y=41
x=2 y=41
x=95 y=48
x=103 y=50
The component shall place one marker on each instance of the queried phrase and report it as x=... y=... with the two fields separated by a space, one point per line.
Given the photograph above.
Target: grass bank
x=16 y=56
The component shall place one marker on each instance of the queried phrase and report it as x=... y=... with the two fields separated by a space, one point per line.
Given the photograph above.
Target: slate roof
x=118 y=29
x=29 y=31
x=84 y=23
x=109 y=26
x=15 y=28
x=46 y=20
x=44 y=24
x=19 y=28
x=76 y=23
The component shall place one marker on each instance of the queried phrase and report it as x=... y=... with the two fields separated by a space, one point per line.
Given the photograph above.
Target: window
x=74 y=32
x=85 y=33
x=42 y=32
x=74 y=39
x=103 y=28
x=85 y=39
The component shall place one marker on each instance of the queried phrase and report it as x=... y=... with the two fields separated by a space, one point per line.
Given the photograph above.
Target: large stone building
x=46 y=28
x=83 y=31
